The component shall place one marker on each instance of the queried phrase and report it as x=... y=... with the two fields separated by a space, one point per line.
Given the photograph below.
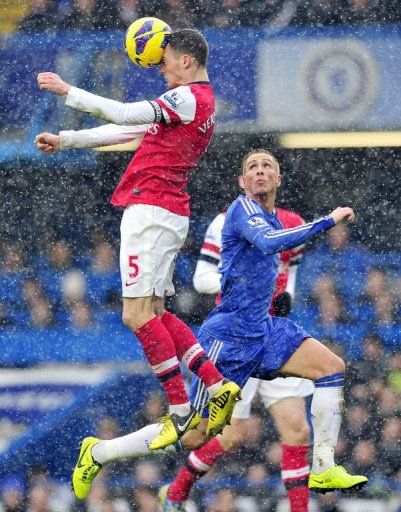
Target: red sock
x=160 y=351
x=197 y=465
x=295 y=473
x=189 y=351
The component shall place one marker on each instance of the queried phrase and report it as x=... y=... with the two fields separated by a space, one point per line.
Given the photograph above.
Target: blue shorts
x=238 y=362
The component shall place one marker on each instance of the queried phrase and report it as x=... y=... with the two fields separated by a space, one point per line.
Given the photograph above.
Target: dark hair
x=188 y=40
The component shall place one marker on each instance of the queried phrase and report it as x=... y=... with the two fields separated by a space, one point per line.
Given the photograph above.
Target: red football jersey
x=158 y=172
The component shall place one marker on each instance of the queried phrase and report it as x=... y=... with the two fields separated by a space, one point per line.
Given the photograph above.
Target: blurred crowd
x=247 y=480
x=346 y=296
x=117 y=14
x=344 y=292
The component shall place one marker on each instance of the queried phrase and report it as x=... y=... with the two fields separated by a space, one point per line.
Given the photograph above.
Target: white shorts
x=271 y=392
x=150 y=240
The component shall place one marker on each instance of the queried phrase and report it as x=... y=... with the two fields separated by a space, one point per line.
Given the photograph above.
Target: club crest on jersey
x=173 y=99
x=256 y=222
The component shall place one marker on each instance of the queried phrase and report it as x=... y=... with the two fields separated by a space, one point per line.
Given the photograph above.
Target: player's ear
x=186 y=60
x=241 y=182
x=278 y=180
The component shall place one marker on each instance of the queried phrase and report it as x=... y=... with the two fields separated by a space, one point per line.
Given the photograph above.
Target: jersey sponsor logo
x=173 y=99
x=208 y=123
x=256 y=222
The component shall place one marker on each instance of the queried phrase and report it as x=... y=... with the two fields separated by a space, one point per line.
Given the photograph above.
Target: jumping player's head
x=185 y=58
x=260 y=174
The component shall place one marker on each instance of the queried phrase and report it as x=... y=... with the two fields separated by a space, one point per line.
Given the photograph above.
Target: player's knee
x=129 y=321
x=135 y=321
x=301 y=436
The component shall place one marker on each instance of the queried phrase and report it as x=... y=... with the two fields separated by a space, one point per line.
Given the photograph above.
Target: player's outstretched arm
x=137 y=113
x=255 y=229
x=104 y=135
x=92 y=138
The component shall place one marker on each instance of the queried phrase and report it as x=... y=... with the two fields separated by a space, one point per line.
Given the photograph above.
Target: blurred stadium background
x=318 y=82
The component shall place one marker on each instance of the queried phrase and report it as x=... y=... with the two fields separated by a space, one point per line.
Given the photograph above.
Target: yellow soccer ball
x=145 y=41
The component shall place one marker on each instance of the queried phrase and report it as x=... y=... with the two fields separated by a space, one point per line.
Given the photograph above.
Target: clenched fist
x=343 y=214
x=47 y=142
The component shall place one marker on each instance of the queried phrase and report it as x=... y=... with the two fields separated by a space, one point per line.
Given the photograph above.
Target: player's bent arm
x=140 y=112
x=101 y=136
x=258 y=232
x=207 y=278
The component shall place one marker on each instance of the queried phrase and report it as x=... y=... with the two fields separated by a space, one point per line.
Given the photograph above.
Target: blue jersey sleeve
x=254 y=228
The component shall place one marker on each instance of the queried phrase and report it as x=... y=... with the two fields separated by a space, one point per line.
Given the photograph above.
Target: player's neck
x=197 y=75
x=265 y=201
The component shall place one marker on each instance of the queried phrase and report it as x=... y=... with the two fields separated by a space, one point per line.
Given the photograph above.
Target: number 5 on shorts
x=134 y=267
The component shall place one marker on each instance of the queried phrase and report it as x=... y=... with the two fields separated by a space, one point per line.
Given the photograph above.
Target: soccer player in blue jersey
x=245 y=341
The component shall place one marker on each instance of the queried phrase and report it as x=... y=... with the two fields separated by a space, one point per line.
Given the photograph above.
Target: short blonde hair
x=254 y=152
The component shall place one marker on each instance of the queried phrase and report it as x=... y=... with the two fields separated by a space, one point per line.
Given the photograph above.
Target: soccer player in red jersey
x=176 y=129
x=284 y=398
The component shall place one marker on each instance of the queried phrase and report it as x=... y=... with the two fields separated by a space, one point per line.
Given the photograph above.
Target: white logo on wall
x=339 y=80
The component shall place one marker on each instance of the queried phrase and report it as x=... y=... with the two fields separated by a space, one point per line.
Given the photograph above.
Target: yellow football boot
x=221 y=408
x=174 y=427
x=335 y=479
x=86 y=468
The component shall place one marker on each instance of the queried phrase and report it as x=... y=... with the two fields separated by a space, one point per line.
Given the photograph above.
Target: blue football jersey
x=252 y=239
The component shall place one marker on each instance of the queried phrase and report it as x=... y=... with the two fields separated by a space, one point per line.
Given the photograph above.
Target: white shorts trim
x=150 y=240
x=271 y=392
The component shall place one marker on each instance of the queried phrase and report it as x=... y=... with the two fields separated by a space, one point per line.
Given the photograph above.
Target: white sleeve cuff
x=140 y=112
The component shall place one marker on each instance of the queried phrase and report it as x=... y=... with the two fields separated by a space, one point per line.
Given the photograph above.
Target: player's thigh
x=289 y=415
x=151 y=237
x=312 y=360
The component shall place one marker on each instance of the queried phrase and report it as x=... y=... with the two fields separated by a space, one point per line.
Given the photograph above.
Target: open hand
x=47 y=142
x=53 y=83
x=343 y=214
